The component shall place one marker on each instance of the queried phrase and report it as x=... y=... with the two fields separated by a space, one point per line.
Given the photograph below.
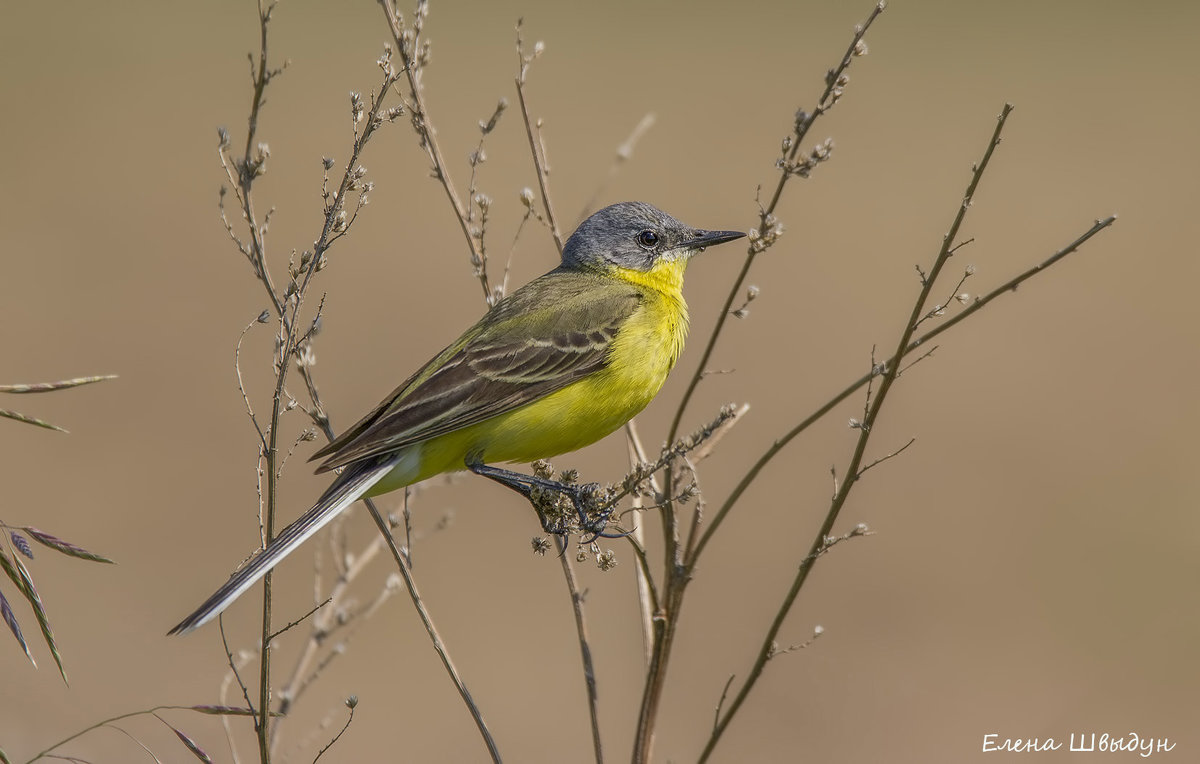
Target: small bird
x=555 y=366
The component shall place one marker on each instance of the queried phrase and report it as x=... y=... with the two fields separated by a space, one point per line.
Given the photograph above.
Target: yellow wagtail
x=560 y=363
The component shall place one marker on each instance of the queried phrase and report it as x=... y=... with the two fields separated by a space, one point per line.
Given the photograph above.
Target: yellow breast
x=642 y=354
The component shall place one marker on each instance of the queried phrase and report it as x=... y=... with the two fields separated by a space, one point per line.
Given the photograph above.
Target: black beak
x=701 y=239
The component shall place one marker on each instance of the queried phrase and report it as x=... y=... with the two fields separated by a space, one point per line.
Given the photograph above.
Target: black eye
x=647 y=239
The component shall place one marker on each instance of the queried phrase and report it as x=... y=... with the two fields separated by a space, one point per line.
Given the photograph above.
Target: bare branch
x=414 y=53
x=864 y=435
x=589 y=669
x=537 y=148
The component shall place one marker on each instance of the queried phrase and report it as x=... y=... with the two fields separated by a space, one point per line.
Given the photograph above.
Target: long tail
x=348 y=488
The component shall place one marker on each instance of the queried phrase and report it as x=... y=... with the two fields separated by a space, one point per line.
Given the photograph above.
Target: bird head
x=639 y=237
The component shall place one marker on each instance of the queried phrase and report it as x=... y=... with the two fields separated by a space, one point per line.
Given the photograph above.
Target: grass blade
x=66 y=547
x=45 y=387
x=15 y=627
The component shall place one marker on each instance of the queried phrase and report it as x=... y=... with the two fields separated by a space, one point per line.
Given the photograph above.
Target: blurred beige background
x=1035 y=567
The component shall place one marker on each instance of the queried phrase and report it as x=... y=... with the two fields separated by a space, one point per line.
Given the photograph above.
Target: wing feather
x=540 y=339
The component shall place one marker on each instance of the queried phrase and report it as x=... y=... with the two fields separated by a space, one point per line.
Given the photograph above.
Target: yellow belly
x=640 y=358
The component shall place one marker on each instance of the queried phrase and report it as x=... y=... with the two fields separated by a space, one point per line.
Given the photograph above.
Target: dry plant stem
x=853 y=471
x=647 y=597
x=676 y=574
x=330 y=231
x=233 y=668
x=324 y=623
x=409 y=52
x=321 y=420
x=133 y=738
x=338 y=736
x=666 y=621
x=979 y=303
x=800 y=132
x=244 y=181
x=536 y=148
x=589 y=669
x=333 y=228
x=244 y=178
x=249 y=168
x=537 y=151
x=47 y=753
x=409 y=48
x=438 y=645
x=233 y=675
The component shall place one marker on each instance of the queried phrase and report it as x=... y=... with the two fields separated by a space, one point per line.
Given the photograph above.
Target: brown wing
x=540 y=339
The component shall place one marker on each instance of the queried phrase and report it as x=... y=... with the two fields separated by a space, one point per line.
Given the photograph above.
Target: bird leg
x=580 y=495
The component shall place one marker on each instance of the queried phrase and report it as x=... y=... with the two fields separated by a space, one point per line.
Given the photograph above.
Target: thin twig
x=585 y=650
x=402 y=561
x=408 y=42
x=677 y=571
x=436 y=638
x=647 y=596
x=706 y=450
x=303 y=618
x=721 y=700
x=242 y=174
x=251 y=166
x=887 y=456
x=230 y=676
x=47 y=753
x=978 y=304
x=237 y=368
x=233 y=667
x=324 y=624
x=536 y=147
x=768 y=227
x=927 y=354
x=864 y=435
x=351 y=703
x=137 y=742
x=776 y=650
x=939 y=310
